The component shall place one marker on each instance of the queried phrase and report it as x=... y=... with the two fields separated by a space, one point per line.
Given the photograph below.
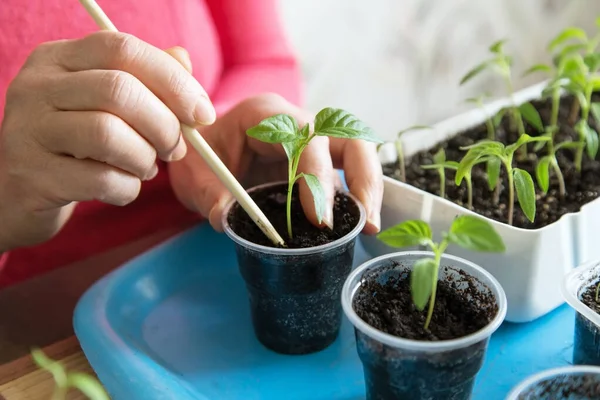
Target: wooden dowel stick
x=202 y=147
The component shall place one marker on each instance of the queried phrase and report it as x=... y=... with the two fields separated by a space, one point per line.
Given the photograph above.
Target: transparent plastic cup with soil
x=294 y=290
x=581 y=290
x=572 y=382
x=423 y=319
x=560 y=153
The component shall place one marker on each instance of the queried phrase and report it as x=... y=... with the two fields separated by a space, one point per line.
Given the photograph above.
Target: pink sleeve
x=256 y=54
x=3 y=259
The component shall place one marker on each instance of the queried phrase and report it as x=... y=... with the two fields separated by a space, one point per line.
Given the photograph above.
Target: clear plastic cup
x=564 y=383
x=397 y=368
x=294 y=294
x=586 y=341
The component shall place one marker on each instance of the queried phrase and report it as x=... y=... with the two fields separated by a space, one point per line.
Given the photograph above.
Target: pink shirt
x=237 y=48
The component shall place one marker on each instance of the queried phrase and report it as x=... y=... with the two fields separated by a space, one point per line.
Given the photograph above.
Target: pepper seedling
x=542 y=169
x=501 y=63
x=440 y=164
x=400 y=149
x=582 y=80
x=468 y=232
x=491 y=122
x=65 y=381
x=519 y=180
x=283 y=129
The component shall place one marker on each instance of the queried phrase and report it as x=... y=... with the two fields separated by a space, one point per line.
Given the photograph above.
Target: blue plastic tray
x=174 y=324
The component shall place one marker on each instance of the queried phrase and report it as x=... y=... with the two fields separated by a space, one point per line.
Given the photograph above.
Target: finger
x=363 y=174
x=121 y=94
x=157 y=70
x=87 y=180
x=316 y=160
x=182 y=56
x=102 y=137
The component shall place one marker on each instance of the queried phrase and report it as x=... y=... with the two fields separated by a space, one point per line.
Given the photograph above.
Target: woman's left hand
x=254 y=162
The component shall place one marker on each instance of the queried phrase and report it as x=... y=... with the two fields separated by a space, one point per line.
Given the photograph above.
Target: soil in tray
x=587 y=335
x=272 y=201
x=392 y=310
x=581 y=187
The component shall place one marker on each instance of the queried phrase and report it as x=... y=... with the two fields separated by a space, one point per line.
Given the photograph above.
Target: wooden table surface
x=38 y=313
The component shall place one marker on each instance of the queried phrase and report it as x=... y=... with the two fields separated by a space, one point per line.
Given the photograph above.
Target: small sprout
x=440 y=164
x=519 y=180
x=400 y=149
x=542 y=170
x=64 y=380
x=490 y=122
x=501 y=63
x=283 y=129
x=468 y=232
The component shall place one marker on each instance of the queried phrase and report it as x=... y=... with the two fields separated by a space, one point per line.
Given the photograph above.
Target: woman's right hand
x=86 y=120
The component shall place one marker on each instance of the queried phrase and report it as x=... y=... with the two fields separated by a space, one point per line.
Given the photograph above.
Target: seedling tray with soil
x=547 y=213
x=581 y=291
x=573 y=383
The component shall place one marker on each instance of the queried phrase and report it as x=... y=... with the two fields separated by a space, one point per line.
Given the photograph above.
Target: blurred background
x=396 y=63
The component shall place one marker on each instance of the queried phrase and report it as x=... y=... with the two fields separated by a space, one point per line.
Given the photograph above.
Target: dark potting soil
x=272 y=201
x=582 y=387
x=586 y=350
x=388 y=307
x=581 y=188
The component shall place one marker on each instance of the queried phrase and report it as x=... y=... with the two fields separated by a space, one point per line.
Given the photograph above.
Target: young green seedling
x=440 y=164
x=501 y=63
x=468 y=232
x=400 y=149
x=519 y=180
x=542 y=170
x=283 y=129
x=582 y=79
x=65 y=381
x=491 y=122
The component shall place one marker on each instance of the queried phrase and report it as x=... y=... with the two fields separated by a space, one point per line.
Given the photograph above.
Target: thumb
x=181 y=55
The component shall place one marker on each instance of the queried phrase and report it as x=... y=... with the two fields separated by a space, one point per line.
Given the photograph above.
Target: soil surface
x=588 y=297
x=581 y=187
x=388 y=307
x=272 y=201
x=565 y=387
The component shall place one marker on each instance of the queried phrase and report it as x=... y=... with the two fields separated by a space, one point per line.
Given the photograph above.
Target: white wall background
x=396 y=63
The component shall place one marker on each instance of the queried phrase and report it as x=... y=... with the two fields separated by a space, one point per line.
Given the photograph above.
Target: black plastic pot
x=294 y=294
x=398 y=368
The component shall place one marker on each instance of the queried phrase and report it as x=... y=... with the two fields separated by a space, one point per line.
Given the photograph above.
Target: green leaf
x=524 y=139
x=439 y=157
x=305 y=131
x=469 y=160
x=595 y=111
x=88 y=385
x=474 y=233
x=542 y=173
x=408 y=233
x=497 y=119
x=592 y=61
x=335 y=122
x=591 y=142
x=54 y=367
x=567 y=34
x=568 y=145
x=493 y=172
x=525 y=192
x=421 y=281
x=498 y=46
x=318 y=194
x=538 y=68
x=531 y=115
x=451 y=164
x=291 y=148
x=279 y=128
x=474 y=72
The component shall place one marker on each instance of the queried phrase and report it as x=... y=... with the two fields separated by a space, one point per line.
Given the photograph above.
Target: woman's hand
x=254 y=162
x=85 y=120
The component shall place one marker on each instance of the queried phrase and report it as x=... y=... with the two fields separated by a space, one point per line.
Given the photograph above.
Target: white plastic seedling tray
x=535 y=262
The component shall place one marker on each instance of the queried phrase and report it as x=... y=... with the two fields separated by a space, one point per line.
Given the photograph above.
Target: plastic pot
x=398 y=368
x=572 y=383
x=586 y=342
x=294 y=294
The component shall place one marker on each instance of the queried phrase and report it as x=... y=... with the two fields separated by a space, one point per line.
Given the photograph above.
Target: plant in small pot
x=423 y=319
x=581 y=290
x=294 y=290
x=572 y=382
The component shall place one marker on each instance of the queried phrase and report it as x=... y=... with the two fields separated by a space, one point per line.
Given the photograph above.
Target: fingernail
x=328 y=217
x=205 y=113
x=153 y=173
x=180 y=150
